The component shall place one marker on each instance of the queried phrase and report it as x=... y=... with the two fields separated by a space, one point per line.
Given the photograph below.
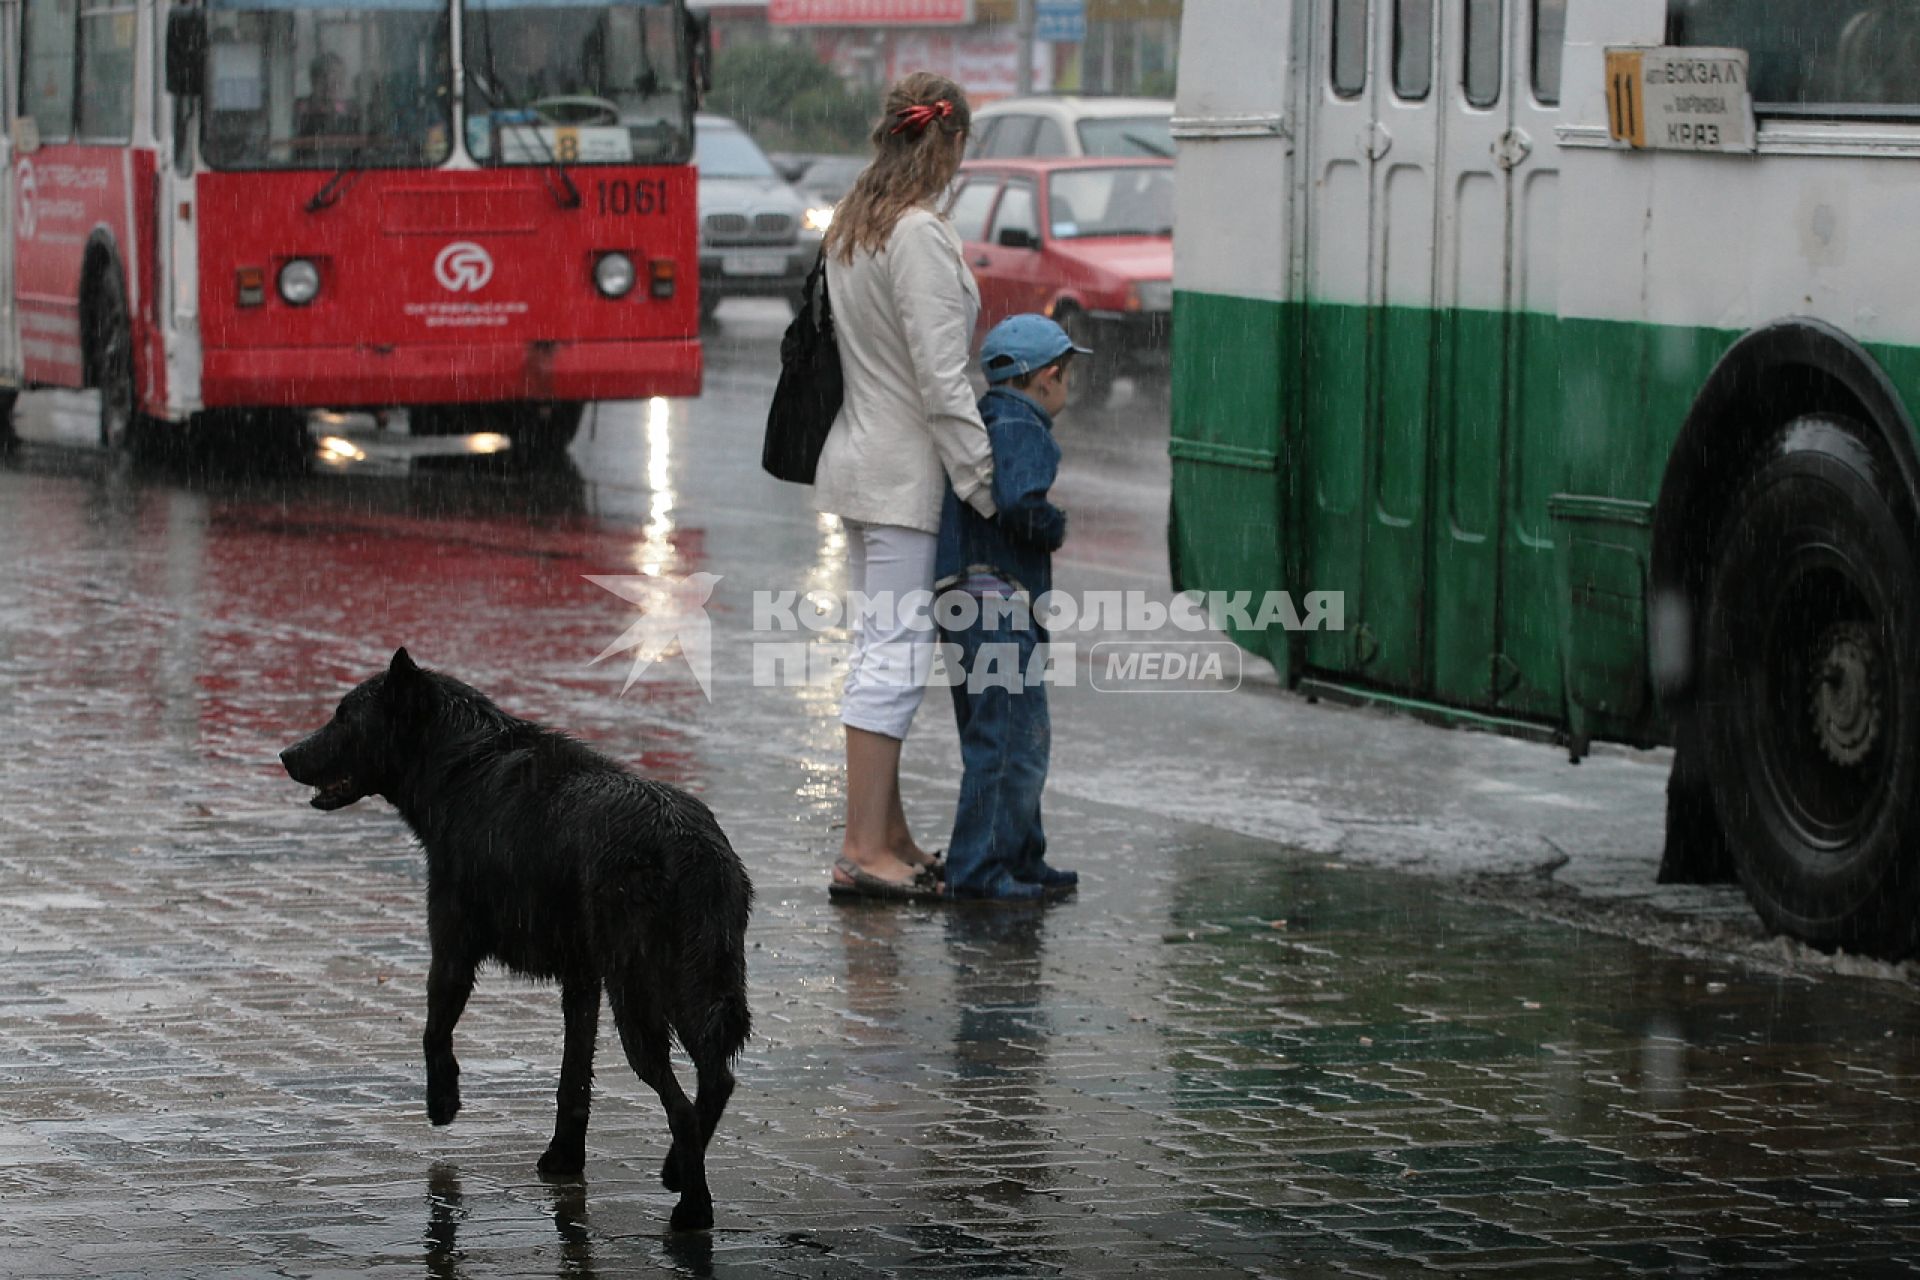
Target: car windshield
x=1134 y=201
x=1114 y=136
x=722 y=151
x=832 y=179
x=549 y=80
x=294 y=85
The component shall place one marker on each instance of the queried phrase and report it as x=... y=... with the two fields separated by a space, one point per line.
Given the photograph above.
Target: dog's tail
x=713 y=1016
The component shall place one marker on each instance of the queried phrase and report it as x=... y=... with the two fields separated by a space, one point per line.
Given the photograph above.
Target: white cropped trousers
x=890 y=578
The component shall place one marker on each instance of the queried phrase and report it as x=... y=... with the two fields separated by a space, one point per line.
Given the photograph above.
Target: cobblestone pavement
x=1227 y=1056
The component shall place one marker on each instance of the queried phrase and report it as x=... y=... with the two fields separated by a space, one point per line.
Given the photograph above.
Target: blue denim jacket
x=1018 y=543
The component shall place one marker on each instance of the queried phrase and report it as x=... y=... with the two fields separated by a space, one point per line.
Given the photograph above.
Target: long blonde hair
x=916 y=149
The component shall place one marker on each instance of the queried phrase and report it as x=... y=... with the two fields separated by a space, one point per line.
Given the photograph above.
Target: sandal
x=924 y=887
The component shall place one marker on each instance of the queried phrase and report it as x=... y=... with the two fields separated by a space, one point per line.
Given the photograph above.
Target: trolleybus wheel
x=110 y=358
x=1810 y=712
x=8 y=437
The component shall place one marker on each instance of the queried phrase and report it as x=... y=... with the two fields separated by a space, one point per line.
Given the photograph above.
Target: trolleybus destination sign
x=1680 y=99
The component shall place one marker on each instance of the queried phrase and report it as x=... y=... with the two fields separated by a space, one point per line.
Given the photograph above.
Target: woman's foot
x=885 y=866
x=912 y=855
x=851 y=880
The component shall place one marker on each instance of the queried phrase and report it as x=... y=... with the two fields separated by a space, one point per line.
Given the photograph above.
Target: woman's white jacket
x=905 y=319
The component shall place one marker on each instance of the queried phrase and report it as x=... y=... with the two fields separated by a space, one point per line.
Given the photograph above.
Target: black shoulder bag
x=810 y=389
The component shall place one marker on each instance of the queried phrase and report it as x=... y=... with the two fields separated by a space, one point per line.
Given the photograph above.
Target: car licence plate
x=754 y=264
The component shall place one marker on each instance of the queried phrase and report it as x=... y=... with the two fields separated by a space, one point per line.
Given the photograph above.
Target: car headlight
x=1155 y=295
x=613 y=275
x=818 y=218
x=299 y=282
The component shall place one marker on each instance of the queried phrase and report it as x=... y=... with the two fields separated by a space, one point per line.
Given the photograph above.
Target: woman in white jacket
x=904 y=305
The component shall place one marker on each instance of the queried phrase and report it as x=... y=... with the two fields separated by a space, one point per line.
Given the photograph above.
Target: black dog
x=558 y=863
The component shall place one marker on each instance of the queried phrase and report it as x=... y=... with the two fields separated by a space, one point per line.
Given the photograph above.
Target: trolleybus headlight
x=299 y=282
x=613 y=275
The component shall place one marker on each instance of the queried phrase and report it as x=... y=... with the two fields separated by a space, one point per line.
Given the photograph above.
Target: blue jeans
x=1005 y=737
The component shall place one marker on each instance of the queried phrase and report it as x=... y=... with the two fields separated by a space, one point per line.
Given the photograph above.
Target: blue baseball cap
x=1021 y=344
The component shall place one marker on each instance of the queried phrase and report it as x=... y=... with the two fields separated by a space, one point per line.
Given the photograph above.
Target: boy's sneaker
x=1005 y=889
x=1054 y=880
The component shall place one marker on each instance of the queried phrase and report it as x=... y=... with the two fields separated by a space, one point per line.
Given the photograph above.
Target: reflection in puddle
x=448 y=1213
x=1001 y=1044
x=445 y=1210
x=655 y=552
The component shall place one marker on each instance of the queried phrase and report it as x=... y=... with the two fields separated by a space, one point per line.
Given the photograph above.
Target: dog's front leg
x=449 y=983
x=567 y=1153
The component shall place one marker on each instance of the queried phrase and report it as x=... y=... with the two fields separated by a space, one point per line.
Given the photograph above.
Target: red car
x=1086 y=241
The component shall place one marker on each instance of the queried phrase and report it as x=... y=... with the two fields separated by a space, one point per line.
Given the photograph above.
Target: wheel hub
x=1845 y=698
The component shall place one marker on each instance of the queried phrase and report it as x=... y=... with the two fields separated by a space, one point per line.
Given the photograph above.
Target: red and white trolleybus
x=481 y=210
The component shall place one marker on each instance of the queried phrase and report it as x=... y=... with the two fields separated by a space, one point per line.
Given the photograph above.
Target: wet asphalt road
x=1318 y=1008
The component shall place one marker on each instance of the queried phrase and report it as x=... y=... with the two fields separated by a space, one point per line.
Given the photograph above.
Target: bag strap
x=823 y=310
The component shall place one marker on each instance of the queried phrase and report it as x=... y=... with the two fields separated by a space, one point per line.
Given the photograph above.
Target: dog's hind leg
x=449 y=983
x=567 y=1153
x=715 y=1086
x=644 y=1036
x=710 y=1099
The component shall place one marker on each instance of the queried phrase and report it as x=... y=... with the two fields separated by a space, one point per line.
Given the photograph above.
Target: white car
x=757 y=239
x=1043 y=127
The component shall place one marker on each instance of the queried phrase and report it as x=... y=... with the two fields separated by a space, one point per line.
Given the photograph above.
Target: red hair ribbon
x=919 y=116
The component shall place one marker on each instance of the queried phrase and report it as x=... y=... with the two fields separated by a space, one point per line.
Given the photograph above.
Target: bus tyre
x=9 y=398
x=110 y=362
x=1696 y=849
x=1810 y=693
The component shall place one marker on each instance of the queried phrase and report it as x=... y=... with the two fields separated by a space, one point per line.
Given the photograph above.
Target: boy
x=998 y=849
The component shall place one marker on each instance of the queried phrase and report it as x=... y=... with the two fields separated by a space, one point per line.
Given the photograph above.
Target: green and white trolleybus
x=1578 y=343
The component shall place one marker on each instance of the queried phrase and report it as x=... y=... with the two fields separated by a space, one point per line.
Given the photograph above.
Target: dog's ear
x=402 y=665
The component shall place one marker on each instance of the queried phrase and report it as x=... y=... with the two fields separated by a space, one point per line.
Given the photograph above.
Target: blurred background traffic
x=1066 y=200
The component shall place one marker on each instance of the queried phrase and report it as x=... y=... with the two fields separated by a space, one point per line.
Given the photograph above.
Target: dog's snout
x=297 y=759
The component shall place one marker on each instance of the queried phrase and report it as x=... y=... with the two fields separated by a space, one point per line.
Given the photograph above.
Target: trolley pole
x=1023 y=21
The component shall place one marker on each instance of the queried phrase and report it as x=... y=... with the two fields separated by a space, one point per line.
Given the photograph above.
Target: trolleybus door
x=1491 y=557
x=1374 y=94
x=1469 y=416
x=1534 y=457
x=175 y=242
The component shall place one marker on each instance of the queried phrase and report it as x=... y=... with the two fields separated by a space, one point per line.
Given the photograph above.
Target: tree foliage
x=791 y=101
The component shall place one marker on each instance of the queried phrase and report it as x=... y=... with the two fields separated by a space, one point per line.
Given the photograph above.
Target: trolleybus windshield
x=1841 y=58
x=554 y=81
x=293 y=84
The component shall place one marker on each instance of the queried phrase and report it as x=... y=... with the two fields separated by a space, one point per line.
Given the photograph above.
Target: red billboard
x=852 y=13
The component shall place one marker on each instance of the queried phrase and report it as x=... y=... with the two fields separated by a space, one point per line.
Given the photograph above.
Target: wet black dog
x=558 y=863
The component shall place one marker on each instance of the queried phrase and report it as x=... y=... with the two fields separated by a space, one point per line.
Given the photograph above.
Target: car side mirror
x=1018 y=238
x=186 y=52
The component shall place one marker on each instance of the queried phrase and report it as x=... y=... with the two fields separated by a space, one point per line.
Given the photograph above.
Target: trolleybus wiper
x=328 y=196
x=568 y=199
